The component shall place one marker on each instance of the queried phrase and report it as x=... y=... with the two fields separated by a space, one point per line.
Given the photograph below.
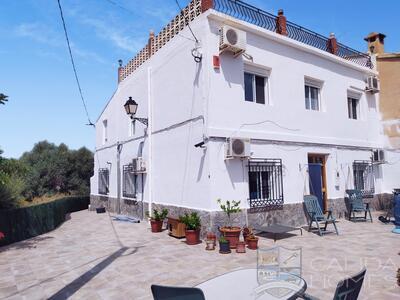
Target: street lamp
x=131 y=108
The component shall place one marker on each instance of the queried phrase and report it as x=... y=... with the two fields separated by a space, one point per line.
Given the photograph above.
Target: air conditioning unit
x=232 y=40
x=378 y=156
x=139 y=165
x=372 y=84
x=237 y=147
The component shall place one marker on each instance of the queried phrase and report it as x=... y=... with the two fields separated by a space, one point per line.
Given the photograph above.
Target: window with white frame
x=129 y=182
x=312 y=89
x=255 y=88
x=352 y=106
x=105 y=131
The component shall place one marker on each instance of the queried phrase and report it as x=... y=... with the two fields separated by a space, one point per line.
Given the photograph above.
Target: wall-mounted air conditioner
x=237 y=148
x=139 y=165
x=378 y=156
x=372 y=84
x=232 y=40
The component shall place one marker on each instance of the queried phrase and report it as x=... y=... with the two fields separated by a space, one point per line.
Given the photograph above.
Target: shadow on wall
x=235 y=169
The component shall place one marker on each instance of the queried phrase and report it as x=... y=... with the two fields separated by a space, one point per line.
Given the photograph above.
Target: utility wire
x=120 y=6
x=73 y=64
x=191 y=31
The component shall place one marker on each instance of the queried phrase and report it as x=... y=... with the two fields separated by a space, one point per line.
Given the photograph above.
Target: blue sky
x=36 y=73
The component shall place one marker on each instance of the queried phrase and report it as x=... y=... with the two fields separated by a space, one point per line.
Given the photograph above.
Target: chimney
x=332 y=46
x=120 y=71
x=375 y=43
x=281 y=23
x=150 y=43
x=206 y=5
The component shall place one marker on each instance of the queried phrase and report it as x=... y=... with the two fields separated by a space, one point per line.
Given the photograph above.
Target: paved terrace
x=85 y=258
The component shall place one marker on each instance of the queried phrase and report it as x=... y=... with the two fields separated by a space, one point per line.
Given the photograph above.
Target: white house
x=250 y=107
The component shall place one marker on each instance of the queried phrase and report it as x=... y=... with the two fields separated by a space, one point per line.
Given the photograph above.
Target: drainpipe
x=150 y=137
x=119 y=149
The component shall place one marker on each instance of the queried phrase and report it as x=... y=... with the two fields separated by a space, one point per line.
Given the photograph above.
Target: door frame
x=321 y=158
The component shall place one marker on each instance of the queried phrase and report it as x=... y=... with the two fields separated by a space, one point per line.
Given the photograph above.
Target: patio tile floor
x=86 y=259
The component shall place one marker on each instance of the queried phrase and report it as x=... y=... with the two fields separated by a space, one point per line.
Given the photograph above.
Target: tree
x=3 y=98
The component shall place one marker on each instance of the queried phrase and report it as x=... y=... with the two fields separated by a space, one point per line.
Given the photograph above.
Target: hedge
x=26 y=222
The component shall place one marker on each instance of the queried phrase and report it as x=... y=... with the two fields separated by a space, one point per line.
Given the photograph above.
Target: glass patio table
x=244 y=284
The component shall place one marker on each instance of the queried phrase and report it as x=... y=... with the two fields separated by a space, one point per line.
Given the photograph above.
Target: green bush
x=191 y=221
x=22 y=223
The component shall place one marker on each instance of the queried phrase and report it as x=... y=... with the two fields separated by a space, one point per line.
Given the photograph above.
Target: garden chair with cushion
x=347 y=289
x=357 y=205
x=316 y=215
x=176 y=293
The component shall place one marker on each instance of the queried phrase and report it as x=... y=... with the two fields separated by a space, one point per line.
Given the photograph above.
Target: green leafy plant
x=160 y=216
x=229 y=208
x=191 y=221
x=222 y=239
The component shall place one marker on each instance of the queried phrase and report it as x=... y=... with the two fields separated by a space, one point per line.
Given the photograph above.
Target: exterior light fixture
x=131 y=108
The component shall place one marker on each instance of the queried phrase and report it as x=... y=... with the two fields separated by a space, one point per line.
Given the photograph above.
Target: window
x=312 y=95
x=352 y=105
x=105 y=131
x=255 y=88
x=265 y=183
x=129 y=182
x=364 y=177
x=103 y=181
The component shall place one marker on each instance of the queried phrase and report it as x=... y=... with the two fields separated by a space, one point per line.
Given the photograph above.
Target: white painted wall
x=182 y=90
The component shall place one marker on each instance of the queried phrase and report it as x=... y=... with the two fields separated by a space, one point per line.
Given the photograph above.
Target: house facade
x=249 y=107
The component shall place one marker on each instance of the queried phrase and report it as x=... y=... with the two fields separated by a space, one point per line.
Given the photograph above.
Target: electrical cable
x=73 y=64
x=121 y=7
x=180 y=8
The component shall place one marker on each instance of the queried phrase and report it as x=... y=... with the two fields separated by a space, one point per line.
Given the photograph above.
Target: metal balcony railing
x=251 y=14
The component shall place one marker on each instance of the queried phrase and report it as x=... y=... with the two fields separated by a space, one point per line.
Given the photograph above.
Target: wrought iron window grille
x=363 y=174
x=265 y=184
x=129 y=181
x=104 y=179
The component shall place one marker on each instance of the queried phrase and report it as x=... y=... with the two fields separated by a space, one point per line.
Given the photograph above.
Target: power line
x=73 y=65
x=120 y=6
x=191 y=31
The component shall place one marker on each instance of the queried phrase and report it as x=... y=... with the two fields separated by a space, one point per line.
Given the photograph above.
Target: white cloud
x=42 y=34
x=116 y=36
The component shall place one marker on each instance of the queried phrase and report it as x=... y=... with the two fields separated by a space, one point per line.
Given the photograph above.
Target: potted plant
x=210 y=244
x=252 y=242
x=193 y=225
x=241 y=247
x=246 y=232
x=211 y=237
x=230 y=232
x=157 y=219
x=224 y=245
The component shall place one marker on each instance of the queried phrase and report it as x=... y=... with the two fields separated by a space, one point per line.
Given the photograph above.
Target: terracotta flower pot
x=232 y=234
x=192 y=237
x=211 y=236
x=210 y=245
x=252 y=243
x=224 y=248
x=246 y=233
x=241 y=247
x=156 y=226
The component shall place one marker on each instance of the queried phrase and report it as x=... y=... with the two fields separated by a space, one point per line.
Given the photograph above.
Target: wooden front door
x=317 y=178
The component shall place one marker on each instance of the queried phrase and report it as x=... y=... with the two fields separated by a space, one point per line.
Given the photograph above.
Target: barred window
x=364 y=177
x=129 y=182
x=265 y=183
x=103 y=181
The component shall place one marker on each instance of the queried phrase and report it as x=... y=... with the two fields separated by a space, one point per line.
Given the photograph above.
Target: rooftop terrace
x=248 y=13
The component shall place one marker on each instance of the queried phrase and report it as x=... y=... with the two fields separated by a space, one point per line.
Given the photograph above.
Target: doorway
x=317 y=178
